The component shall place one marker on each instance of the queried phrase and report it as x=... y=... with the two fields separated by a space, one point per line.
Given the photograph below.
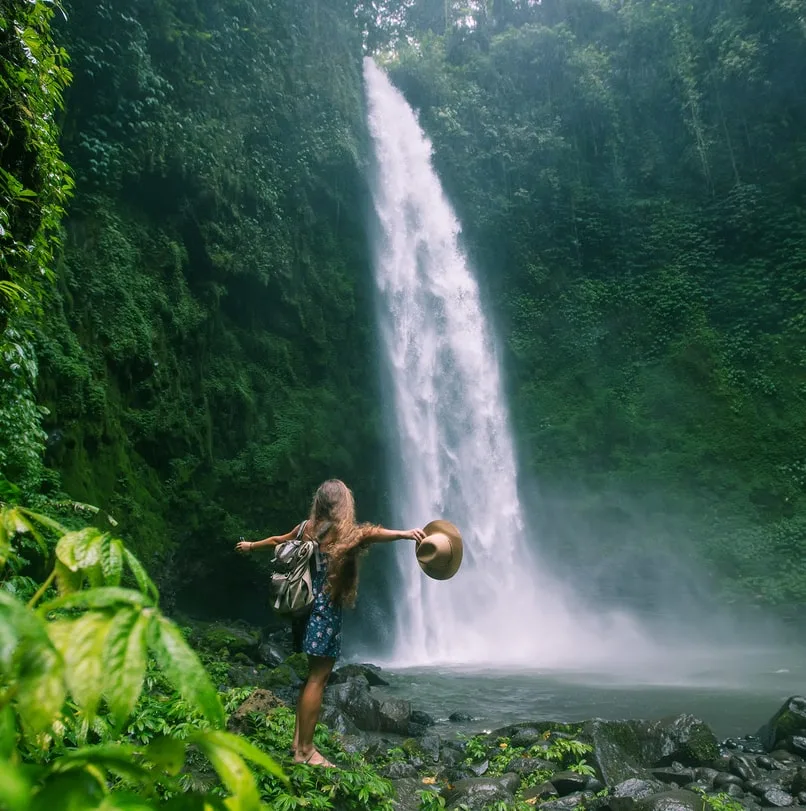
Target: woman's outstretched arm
x=383 y=535
x=248 y=546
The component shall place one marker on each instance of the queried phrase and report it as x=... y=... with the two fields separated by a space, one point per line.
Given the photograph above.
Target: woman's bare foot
x=314 y=758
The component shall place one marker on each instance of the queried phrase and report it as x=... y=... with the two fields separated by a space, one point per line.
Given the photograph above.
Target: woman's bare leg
x=308 y=708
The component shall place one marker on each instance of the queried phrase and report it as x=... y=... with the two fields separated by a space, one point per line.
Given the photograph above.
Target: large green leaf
x=144 y=582
x=77 y=790
x=126 y=802
x=245 y=749
x=184 y=670
x=5 y=544
x=99 y=598
x=167 y=753
x=15 y=791
x=111 y=560
x=8 y=733
x=67 y=581
x=118 y=758
x=31 y=664
x=234 y=774
x=125 y=658
x=79 y=549
x=81 y=642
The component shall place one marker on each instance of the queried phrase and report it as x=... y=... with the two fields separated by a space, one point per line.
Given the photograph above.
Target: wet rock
x=802 y=798
x=479 y=768
x=369 y=672
x=790 y=720
x=705 y=774
x=544 y=791
x=398 y=770
x=567 y=803
x=677 y=776
x=733 y=790
x=594 y=785
x=677 y=800
x=355 y=744
x=776 y=797
x=528 y=765
x=744 y=767
x=394 y=716
x=422 y=718
x=637 y=789
x=460 y=717
x=477 y=792
x=797 y=782
x=625 y=749
x=354 y=700
x=270 y=654
x=568 y=782
x=407 y=791
x=724 y=779
x=769 y=763
x=333 y=718
x=797 y=744
x=430 y=746
x=261 y=701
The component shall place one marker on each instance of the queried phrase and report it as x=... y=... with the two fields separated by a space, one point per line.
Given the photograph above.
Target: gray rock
x=477 y=792
x=479 y=769
x=369 y=672
x=355 y=744
x=626 y=749
x=733 y=790
x=394 y=716
x=459 y=717
x=677 y=800
x=511 y=782
x=788 y=721
x=676 y=776
x=776 y=797
x=422 y=718
x=333 y=718
x=398 y=770
x=797 y=782
x=594 y=785
x=270 y=654
x=567 y=803
x=407 y=791
x=637 y=789
x=354 y=700
x=430 y=745
x=802 y=798
x=705 y=774
x=797 y=744
x=744 y=767
x=568 y=782
x=769 y=763
x=724 y=779
x=544 y=791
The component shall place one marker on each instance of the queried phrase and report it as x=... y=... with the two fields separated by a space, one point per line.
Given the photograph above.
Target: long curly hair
x=332 y=516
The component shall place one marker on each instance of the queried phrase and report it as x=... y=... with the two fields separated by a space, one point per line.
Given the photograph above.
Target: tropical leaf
x=81 y=642
x=125 y=802
x=99 y=598
x=28 y=659
x=111 y=560
x=75 y=790
x=80 y=549
x=245 y=749
x=234 y=774
x=184 y=670
x=144 y=582
x=117 y=758
x=124 y=662
x=15 y=792
x=67 y=581
x=167 y=753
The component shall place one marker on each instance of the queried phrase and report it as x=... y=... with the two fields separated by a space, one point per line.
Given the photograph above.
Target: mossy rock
x=234 y=640
x=299 y=663
x=283 y=676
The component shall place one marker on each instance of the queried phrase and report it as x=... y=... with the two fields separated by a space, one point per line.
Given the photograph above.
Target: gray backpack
x=291 y=585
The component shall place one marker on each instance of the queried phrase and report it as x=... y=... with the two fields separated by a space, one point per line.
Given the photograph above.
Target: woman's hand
x=415 y=534
x=243 y=546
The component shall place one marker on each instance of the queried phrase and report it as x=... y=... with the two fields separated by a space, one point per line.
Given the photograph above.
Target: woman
x=335 y=583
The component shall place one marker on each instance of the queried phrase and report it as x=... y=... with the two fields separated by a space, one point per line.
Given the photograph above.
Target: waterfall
x=452 y=440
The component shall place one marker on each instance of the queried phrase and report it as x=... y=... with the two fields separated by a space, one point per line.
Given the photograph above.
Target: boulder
x=398 y=770
x=725 y=779
x=333 y=718
x=776 y=797
x=354 y=700
x=270 y=654
x=261 y=701
x=677 y=800
x=636 y=789
x=474 y=793
x=431 y=746
x=788 y=721
x=219 y=637
x=395 y=715
x=797 y=744
x=567 y=803
x=568 y=782
x=355 y=744
x=407 y=793
x=460 y=717
x=261 y=676
x=543 y=791
x=625 y=749
x=679 y=776
x=299 y=663
x=744 y=767
x=369 y=672
x=422 y=718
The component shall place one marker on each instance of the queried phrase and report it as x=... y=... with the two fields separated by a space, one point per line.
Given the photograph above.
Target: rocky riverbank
x=671 y=764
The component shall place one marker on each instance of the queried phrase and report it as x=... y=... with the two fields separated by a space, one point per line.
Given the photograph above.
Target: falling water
x=455 y=455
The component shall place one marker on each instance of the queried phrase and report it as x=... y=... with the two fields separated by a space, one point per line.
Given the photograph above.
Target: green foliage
x=625 y=175
x=720 y=801
x=34 y=186
x=72 y=671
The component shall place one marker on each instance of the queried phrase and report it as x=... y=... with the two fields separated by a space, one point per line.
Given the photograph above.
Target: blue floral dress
x=320 y=632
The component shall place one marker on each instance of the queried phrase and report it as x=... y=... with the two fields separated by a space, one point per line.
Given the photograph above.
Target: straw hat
x=440 y=552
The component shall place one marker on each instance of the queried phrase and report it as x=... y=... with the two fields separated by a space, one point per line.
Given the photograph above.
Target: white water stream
x=454 y=451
